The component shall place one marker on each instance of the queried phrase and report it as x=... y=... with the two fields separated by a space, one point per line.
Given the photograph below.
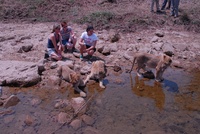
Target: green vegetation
x=97 y=18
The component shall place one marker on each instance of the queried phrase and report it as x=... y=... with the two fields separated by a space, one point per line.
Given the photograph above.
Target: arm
x=93 y=46
x=81 y=42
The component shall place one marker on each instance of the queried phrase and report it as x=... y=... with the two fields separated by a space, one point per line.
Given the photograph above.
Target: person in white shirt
x=88 y=42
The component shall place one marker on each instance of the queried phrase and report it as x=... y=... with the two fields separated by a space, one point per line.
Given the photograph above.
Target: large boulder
x=18 y=73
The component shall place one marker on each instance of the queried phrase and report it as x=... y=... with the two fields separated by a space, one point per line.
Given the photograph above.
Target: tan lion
x=160 y=63
x=98 y=72
x=67 y=74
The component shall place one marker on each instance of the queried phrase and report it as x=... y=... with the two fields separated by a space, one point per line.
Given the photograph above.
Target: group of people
x=174 y=4
x=64 y=39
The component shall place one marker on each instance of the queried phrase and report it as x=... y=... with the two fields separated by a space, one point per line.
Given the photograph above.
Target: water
x=128 y=105
x=136 y=105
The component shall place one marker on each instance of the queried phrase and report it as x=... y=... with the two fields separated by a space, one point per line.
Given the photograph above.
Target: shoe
x=175 y=16
x=158 y=11
x=81 y=57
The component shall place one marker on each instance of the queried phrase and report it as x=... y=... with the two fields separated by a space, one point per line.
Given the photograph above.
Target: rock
x=149 y=75
x=91 y=130
x=27 y=48
x=76 y=124
x=87 y=119
x=53 y=65
x=68 y=63
x=85 y=69
x=117 y=68
x=63 y=117
x=115 y=38
x=62 y=104
x=159 y=33
x=41 y=69
x=106 y=50
x=77 y=104
x=35 y=101
x=9 y=119
x=28 y=120
x=18 y=73
x=11 y=101
x=154 y=39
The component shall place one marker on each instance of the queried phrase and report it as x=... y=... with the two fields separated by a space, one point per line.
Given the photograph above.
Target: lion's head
x=74 y=78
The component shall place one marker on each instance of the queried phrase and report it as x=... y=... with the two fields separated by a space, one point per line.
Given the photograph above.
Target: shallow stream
x=128 y=105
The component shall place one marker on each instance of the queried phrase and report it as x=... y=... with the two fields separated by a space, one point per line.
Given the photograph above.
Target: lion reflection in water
x=154 y=92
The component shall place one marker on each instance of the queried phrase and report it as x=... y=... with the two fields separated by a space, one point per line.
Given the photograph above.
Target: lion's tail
x=132 y=64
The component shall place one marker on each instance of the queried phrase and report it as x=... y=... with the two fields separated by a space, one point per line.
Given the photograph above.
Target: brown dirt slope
x=125 y=15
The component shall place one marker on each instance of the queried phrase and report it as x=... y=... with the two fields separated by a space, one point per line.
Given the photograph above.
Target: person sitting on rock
x=68 y=37
x=88 y=42
x=54 y=45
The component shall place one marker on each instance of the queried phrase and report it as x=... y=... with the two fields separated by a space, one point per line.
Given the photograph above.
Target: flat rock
x=18 y=73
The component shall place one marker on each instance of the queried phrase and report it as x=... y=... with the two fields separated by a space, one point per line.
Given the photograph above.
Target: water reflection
x=154 y=91
x=170 y=86
x=189 y=98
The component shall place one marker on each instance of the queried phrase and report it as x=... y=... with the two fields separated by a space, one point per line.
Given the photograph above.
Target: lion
x=160 y=63
x=67 y=74
x=98 y=72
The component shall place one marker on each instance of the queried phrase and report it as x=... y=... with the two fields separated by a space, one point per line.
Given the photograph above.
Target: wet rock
x=91 y=130
x=62 y=104
x=29 y=130
x=55 y=80
x=11 y=101
x=149 y=75
x=87 y=119
x=35 y=101
x=76 y=124
x=63 y=117
x=28 y=120
x=9 y=119
x=117 y=68
x=77 y=104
